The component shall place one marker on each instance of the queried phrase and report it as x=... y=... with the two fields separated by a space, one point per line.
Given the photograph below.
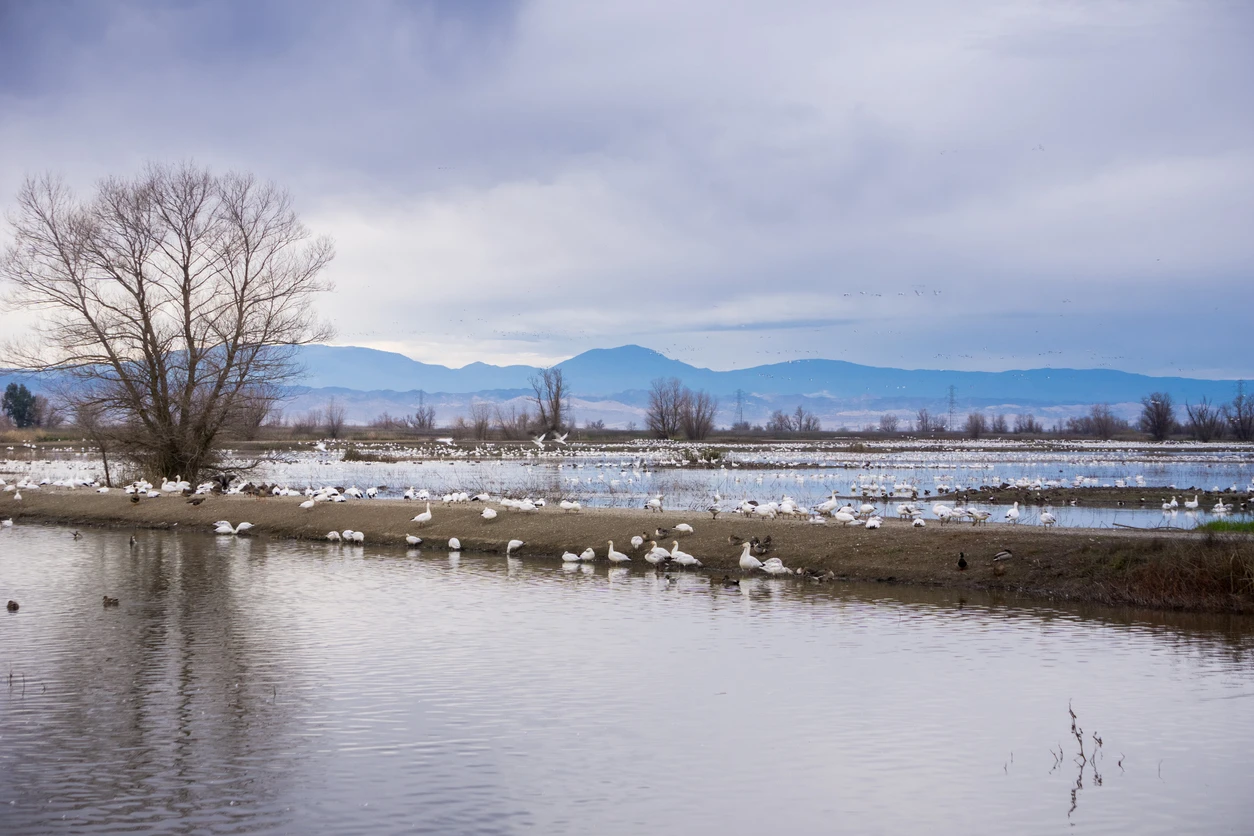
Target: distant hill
x=612 y=384
x=609 y=371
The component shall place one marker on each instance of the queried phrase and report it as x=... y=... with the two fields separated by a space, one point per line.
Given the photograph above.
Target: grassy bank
x=1208 y=571
x=1229 y=526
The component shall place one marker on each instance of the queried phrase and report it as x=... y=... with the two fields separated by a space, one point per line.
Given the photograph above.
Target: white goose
x=1191 y=504
x=224 y=527
x=424 y=517
x=570 y=557
x=616 y=556
x=747 y=561
x=657 y=554
x=683 y=558
x=683 y=528
x=455 y=545
x=1048 y=519
x=513 y=546
x=588 y=554
x=488 y=514
x=411 y=540
x=775 y=566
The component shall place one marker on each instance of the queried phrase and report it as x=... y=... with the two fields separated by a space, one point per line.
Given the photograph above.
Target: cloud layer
x=979 y=185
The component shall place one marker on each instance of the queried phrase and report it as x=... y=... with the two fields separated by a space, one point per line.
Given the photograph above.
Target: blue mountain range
x=605 y=372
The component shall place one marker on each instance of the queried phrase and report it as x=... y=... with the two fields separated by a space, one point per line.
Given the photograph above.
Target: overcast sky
x=972 y=185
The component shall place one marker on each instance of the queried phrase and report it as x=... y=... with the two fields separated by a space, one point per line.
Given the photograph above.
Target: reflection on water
x=249 y=686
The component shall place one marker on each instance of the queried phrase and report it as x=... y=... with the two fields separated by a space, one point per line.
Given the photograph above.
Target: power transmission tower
x=953 y=405
x=740 y=406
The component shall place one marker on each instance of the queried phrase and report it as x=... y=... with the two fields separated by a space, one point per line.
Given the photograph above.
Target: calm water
x=247 y=686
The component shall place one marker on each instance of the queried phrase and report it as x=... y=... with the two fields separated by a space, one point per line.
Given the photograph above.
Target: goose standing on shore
x=747 y=561
x=1012 y=515
x=424 y=517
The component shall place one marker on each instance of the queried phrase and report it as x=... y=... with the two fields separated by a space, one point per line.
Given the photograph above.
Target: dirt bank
x=1193 y=571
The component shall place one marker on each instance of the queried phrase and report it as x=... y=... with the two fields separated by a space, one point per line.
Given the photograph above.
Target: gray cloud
x=974 y=185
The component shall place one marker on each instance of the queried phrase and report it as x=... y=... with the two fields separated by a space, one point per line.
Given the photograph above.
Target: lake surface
x=250 y=686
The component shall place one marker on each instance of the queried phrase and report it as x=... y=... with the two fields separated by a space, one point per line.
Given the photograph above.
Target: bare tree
x=424 y=416
x=1240 y=414
x=999 y=424
x=480 y=419
x=1028 y=424
x=975 y=425
x=514 y=424
x=779 y=422
x=251 y=416
x=889 y=423
x=923 y=422
x=1206 y=422
x=697 y=414
x=804 y=421
x=665 y=407
x=172 y=300
x=1102 y=422
x=307 y=424
x=1158 y=415
x=551 y=398
x=334 y=414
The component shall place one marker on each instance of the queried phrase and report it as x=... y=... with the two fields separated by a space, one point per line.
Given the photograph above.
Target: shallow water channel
x=251 y=686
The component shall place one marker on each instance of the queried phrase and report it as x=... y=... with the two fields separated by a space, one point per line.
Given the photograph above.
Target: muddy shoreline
x=1161 y=570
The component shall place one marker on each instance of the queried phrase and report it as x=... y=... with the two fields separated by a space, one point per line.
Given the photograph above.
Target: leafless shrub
x=1028 y=424
x=888 y=423
x=1206 y=422
x=1240 y=415
x=334 y=417
x=697 y=414
x=514 y=424
x=999 y=424
x=975 y=425
x=480 y=419
x=1158 y=415
x=552 y=399
x=665 y=407
x=923 y=421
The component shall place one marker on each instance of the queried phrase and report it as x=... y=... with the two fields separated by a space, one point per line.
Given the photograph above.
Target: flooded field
x=253 y=686
x=627 y=475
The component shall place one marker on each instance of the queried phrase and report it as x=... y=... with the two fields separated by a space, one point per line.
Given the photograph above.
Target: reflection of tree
x=173 y=703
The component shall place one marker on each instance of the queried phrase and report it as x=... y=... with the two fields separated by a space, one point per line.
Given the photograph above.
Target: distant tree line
x=24 y=409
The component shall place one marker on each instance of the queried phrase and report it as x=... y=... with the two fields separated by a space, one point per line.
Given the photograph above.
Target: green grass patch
x=1242 y=526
